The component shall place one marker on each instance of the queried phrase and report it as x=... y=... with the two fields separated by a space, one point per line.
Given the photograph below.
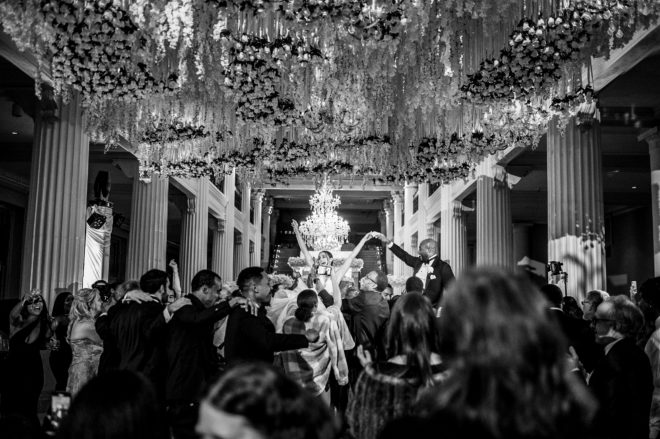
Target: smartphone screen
x=60 y=401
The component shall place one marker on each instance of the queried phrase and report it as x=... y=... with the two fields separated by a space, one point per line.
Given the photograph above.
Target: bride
x=322 y=268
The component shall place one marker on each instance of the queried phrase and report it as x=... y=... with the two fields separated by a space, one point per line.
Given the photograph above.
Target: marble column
x=423 y=231
x=257 y=204
x=54 y=247
x=575 y=205
x=228 y=241
x=240 y=253
x=218 y=258
x=265 y=231
x=453 y=229
x=147 y=238
x=397 y=209
x=194 y=232
x=409 y=191
x=246 y=236
x=653 y=139
x=494 y=225
x=389 y=232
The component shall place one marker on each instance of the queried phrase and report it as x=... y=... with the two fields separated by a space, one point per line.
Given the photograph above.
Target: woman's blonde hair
x=84 y=307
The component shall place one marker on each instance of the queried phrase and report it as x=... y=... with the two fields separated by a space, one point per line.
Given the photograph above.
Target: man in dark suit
x=191 y=357
x=138 y=330
x=622 y=381
x=252 y=338
x=434 y=272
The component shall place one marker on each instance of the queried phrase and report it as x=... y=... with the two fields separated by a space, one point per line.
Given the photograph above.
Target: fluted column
x=575 y=205
x=653 y=139
x=389 y=232
x=257 y=203
x=194 y=232
x=397 y=208
x=228 y=241
x=494 y=226
x=245 y=242
x=147 y=239
x=423 y=231
x=54 y=248
x=217 y=227
x=240 y=253
x=453 y=229
x=265 y=231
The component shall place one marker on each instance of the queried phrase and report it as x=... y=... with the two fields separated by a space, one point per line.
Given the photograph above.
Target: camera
x=554 y=268
x=324 y=270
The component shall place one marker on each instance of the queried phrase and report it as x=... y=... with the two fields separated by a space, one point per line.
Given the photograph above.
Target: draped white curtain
x=96 y=243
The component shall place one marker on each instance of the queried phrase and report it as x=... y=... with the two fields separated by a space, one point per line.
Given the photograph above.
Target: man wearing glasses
x=622 y=381
x=435 y=273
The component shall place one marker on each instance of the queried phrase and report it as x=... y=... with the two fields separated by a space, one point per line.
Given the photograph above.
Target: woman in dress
x=322 y=267
x=388 y=389
x=60 y=354
x=86 y=344
x=23 y=372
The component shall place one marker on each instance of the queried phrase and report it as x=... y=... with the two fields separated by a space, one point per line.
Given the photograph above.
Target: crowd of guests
x=491 y=356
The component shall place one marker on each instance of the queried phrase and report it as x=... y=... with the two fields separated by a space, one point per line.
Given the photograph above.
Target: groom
x=433 y=272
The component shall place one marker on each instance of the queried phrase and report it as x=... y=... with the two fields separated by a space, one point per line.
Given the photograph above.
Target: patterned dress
x=85 y=363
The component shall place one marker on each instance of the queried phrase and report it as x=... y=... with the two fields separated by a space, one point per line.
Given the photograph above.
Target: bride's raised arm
x=301 y=243
x=347 y=263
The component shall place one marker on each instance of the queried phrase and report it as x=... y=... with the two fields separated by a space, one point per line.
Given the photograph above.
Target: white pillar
x=257 y=203
x=494 y=226
x=653 y=139
x=265 y=231
x=245 y=241
x=218 y=258
x=147 y=239
x=228 y=251
x=575 y=205
x=389 y=229
x=453 y=242
x=54 y=247
x=194 y=232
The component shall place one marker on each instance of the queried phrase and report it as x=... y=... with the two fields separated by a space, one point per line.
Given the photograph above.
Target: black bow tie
x=427 y=260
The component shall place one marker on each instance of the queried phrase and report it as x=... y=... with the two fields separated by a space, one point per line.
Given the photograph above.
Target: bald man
x=434 y=272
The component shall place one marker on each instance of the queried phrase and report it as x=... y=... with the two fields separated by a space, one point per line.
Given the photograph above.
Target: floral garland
x=253 y=72
x=91 y=51
x=175 y=132
x=540 y=49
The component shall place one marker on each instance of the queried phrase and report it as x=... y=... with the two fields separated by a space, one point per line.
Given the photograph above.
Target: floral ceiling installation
x=389 y=90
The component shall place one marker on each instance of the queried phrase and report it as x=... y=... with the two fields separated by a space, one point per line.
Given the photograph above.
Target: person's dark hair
x=595 y=297
x=152 y=280
x=412 y=332
x=552 y=294
x=203 y=278
x=58 y=306
x=118 y=404
x=272 y=403
x=249 y=274
x=307 y=300
x=44 y=321
x=414 y=284
x=650 y=292
x=570 y=306
x=628 y=318
x=508 y=361
x=381 y=280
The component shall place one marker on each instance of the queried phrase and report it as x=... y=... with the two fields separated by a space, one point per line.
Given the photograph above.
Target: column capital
x=191 y=204
x=217 y=225
x=397 y=197
x=257 y=195
x=458 y=209
x=650 y=136
x=388 y=208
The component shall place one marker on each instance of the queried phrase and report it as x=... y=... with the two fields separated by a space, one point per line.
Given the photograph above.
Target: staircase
x=372 y=256
x=280 y=258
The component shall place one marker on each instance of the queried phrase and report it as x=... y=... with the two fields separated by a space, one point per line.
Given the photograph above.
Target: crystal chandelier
x=324 y=229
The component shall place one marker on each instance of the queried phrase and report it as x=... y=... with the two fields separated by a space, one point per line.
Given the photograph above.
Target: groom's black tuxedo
x=436 y=281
